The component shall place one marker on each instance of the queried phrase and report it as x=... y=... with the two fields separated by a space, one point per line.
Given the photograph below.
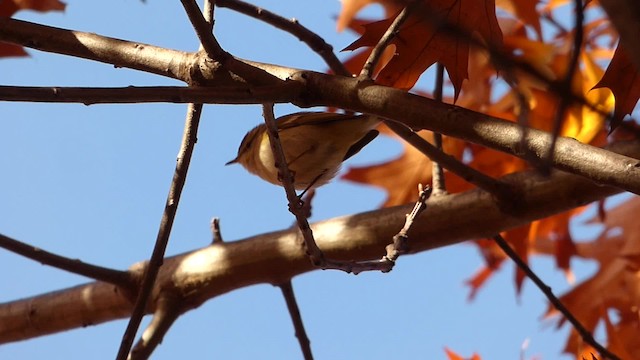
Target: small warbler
x=315 y=144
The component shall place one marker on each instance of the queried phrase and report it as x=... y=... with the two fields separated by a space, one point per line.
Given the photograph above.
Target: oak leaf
x=439 y=31
x=623 y=80
x=10 y=7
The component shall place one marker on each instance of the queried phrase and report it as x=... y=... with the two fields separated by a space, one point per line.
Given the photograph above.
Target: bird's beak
x=232 y=162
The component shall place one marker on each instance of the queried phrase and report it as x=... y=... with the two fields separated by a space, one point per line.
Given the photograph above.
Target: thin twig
x=296 y=318
x=437 y=173
x=215 y=231
x=116 y=277
x=546 y=290
x=500 y=190
x=399 y=245
x=286 y=177
x=385 y=40
x=278 y=93
x=314 y=41
x=203 y=30
x=189 y=139
x=565 y=98
x=166 y=313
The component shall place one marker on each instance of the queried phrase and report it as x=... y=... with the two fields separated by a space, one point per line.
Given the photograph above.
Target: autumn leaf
x=623 y=80
x=11 y=50
x=453 y=356
x=615 y=287
x=437 y=32
x=10 y=7
x=478 y=280
x=525 y=10
x=412 y=166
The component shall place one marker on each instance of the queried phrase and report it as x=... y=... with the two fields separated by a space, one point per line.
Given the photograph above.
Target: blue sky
x=90 y=182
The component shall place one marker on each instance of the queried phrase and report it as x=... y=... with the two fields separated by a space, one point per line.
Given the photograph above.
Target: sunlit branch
x=449 y=220
x=596 y=164
x=127 y=54
x=167 y=311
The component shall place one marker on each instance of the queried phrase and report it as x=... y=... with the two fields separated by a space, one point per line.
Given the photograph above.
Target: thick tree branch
x=200 y=275
x=350 y=94
x=599 y=165
x=143 y=57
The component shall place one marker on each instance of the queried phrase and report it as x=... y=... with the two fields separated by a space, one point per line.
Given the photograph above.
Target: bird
x=314 y=143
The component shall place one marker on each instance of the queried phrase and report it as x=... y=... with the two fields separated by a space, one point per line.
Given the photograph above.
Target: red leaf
x=623 y=80
x=421 y=41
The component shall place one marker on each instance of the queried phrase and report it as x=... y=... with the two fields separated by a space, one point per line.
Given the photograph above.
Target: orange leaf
x=616 y=286
x=479 y=279
x=10 y=7
x=420 y=42
x=8 y=50
x=623 y=80
x=525 y=10
x=412 y=166
x=453 y=356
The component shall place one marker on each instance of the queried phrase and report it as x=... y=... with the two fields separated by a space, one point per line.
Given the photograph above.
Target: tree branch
x=280 y=93
x=166 y=313
x=115 y=277
x=215 y=51
x=567 y=84
x=296 y=318
x=217 y=269
x=546 y=290
x=189 y=139
x=133 y=55
x=293 y=27
x=348 y=93
x=599 y=165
